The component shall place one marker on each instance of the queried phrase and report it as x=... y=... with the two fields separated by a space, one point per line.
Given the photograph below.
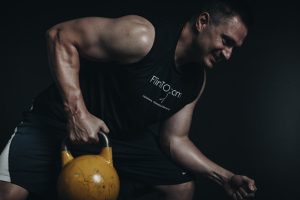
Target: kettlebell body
x=88 y=177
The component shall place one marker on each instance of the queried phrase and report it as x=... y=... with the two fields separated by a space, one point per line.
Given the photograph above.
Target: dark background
x=249 y=117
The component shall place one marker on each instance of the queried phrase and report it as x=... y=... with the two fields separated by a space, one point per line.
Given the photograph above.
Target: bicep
x=179 y=123
x=176 y=128
x=107 y=39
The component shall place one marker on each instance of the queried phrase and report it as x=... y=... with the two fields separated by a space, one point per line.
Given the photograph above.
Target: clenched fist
x=240 y=187
x=85 y=128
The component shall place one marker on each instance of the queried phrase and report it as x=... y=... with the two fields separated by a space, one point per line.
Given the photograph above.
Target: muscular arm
x=177 y=144
x=175 y=141
x=122 y=40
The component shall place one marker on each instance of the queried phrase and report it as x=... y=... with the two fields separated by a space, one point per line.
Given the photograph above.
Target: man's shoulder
x=135 y=23
x=137 y=35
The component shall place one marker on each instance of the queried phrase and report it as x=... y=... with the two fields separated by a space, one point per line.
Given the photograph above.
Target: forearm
x=64 y=65
x=184 y=152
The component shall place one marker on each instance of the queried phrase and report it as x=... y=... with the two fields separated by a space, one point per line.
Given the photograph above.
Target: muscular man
x=120 y=76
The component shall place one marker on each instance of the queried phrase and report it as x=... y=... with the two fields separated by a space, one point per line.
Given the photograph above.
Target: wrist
x=221 y=178
x=229 y=179
x=75 y=108
x=229 y=176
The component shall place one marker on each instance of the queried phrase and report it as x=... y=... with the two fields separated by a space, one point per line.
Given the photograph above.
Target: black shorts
x=31 y=159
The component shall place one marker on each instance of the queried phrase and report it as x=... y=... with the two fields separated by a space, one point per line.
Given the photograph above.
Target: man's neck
x=183 y=54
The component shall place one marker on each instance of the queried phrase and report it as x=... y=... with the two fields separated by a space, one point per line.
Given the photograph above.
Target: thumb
x=104 y=128
x=250 y=183
x=252 y=187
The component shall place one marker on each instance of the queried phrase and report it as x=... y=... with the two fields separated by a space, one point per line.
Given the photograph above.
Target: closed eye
x=228 y=41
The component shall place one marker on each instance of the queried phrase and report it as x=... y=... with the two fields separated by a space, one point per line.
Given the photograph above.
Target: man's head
x=219 y=27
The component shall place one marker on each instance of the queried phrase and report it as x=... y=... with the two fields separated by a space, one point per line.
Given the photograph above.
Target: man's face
x=216 y=42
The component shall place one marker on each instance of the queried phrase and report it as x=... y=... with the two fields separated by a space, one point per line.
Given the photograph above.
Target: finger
x=252 y=187
x=250 y=195
x=234 y=196
x=72 y=139
x=239 y=196
x=95 y=139
x=82 y=138
x=243 y=192
x=104 y=128
x=255 y=188
x=250 y=183
x=85 y=139
x=92 y=140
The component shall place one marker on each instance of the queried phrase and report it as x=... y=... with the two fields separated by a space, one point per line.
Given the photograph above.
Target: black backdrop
x=249 y=117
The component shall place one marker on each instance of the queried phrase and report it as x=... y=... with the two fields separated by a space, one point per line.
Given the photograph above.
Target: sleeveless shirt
x=130 y=97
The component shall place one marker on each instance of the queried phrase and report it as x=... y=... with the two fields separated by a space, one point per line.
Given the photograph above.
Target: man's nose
x=227 y=51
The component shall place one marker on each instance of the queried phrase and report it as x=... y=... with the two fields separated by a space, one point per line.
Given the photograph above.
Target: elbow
x=55 y=34
x=51 y=34
x=59 y=36
x=171 y=144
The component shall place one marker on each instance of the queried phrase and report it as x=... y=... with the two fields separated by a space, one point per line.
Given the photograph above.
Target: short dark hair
x=222 y=9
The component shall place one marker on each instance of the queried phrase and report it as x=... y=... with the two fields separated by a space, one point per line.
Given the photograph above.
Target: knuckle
x=95 y=140
x=84 y=139
x=72 y=138
x=92 y=137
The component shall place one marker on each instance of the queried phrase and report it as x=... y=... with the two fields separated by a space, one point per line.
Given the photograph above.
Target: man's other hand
x=240 y=187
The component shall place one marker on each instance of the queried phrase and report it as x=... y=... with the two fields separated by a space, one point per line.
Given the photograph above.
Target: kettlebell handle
x=107 y=144
x=106 y=151
x=106 y=140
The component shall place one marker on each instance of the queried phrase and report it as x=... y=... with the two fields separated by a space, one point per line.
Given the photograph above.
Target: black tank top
x=130 y=97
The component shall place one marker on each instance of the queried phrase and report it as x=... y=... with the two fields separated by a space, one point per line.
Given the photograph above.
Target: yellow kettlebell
x=88 y=177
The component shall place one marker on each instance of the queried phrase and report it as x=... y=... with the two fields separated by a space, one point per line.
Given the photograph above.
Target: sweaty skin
x=99 y=39
x=214 y=44
x=127 y=40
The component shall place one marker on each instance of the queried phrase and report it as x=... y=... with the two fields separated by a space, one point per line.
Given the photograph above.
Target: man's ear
x=202 y=21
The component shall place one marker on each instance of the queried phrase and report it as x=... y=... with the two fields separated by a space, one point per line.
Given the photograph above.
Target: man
x=145 y=72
